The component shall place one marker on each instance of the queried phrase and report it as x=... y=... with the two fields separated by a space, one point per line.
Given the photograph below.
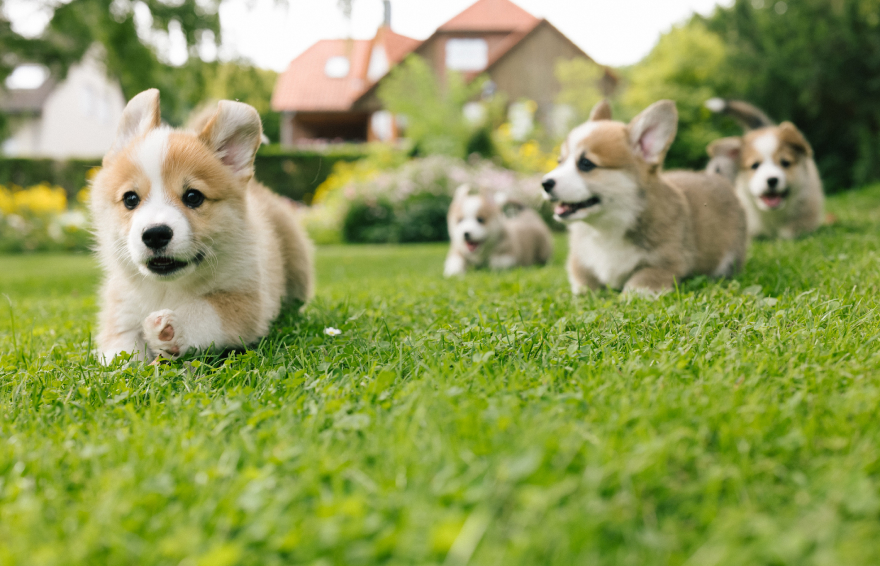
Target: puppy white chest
x=610 y=257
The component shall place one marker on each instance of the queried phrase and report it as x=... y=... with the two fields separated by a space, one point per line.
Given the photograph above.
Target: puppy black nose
x=467 y=235
x=548 y=184
x=157 y=237
x=772 y=182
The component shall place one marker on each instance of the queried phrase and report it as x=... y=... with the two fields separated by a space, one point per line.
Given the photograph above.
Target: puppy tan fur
x=195 y=252
x=631 y=226
x=482 y=235
x=775 y=175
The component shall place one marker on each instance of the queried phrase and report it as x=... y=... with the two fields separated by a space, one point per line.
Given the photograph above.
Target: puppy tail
x=747 y=115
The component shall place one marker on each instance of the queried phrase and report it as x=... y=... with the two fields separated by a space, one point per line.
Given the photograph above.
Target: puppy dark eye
x=585 y=164
x=193 y=198
x=785 y=163
x=131 y=200
x=756 y=164
x=481 y=220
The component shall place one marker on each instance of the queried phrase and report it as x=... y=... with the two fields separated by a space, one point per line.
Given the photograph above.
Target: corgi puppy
x=724 y=153
x=482 y=235
x=632 y=226
x=195 y=252
x=776 y=177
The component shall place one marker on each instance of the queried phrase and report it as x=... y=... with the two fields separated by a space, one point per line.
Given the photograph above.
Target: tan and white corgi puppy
x=776 y=178
x=481 y=234
x=725 y=153
x=195 y=252
x=632 y=226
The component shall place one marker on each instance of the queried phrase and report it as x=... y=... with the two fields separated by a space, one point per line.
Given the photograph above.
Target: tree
x=435 y=121
x=816 y=63
x=579 y=80
x=688 y=66
x=78 y=25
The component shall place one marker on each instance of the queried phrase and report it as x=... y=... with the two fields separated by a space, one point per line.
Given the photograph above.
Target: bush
x=297 y=173
x=406 y=204
x=70 y=175
x=369 y=223
x=38 y=219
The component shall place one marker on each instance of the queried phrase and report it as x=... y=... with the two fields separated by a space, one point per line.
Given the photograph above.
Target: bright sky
x=613 y=32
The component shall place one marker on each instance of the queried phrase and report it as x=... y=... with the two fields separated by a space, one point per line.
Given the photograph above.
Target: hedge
x=295 y=173
x=71 y=175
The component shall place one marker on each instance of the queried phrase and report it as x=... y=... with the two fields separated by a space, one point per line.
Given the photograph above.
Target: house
x=318 y=92
x=330 y=91
x=72 y=118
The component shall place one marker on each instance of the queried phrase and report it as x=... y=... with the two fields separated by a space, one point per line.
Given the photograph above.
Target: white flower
x=330 y=331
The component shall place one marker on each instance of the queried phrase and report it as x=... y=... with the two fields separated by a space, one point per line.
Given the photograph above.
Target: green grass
x=492 y=420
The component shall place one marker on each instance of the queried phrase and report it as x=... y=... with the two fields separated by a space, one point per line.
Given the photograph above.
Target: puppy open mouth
x=774 y=200
x=472 y=246
x=564 y=209
x=168 y=265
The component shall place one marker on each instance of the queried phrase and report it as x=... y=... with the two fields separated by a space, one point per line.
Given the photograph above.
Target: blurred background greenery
x=814 y=62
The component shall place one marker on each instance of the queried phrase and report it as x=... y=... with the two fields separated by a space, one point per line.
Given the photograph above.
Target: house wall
x=528 y=70
x=78 y=120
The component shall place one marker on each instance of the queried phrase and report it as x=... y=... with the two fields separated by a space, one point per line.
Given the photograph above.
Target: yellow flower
x=40 y=199
x=90 y=174
x=7 y=205
x=83 y=195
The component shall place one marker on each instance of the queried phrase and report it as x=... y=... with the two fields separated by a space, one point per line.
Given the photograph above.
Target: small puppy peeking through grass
x=632 y=226
x=195 y=252
x=485 y=230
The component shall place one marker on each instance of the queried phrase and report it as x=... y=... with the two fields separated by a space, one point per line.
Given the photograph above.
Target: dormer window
x=467 y=54
x=337 y=67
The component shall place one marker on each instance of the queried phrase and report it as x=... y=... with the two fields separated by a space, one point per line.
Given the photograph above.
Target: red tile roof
x=491 y=15
x=305 y=87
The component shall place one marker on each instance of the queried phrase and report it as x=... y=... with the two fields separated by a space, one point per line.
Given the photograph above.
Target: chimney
x=387 y=20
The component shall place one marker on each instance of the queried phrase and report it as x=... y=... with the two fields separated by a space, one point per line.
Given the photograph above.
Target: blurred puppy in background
x=632 y=226
x=776 y=178
x=485 y=230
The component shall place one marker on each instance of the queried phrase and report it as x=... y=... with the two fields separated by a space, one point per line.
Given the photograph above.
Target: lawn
x=489 y=420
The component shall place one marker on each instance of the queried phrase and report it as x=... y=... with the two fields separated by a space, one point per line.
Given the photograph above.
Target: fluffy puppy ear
x=462 y=191
x=651 y=132
x=727 y=147
x=790 y=135
x=601 y=111
x=141 y=115
x=234 y=133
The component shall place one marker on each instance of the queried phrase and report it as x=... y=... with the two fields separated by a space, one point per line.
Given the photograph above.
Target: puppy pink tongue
x=772 y=201
x=562 y=209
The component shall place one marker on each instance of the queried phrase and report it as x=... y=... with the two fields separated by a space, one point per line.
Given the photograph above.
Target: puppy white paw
x=162 y=334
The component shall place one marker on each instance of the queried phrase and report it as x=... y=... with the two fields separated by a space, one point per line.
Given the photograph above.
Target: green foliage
x=433 y=110
x=421 y=217
x=72 y=175
x=297 y=173
x=686 y=66
x=814 y=64
x=79 y=24
x=579 y=82
x=407 y=203
x=489 y=420
x=369 y=223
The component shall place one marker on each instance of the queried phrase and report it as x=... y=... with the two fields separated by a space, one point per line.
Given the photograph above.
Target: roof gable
x=305 y=86
x=491 y=16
